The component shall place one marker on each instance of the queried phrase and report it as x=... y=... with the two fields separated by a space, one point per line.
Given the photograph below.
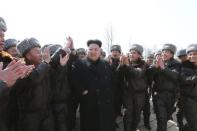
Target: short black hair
x=98 y=42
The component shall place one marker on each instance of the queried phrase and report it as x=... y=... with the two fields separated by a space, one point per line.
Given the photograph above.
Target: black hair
x=98 y=42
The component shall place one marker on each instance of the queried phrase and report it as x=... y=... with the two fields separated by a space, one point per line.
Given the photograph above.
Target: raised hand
x=64 y=60
x=69 y=43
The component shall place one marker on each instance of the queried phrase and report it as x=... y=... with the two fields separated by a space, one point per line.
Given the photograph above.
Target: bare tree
x=109 y=38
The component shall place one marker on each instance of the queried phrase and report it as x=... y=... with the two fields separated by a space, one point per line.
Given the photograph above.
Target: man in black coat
x=189 y=87
x=146 y=110
x=34 y=104
x=134 y=92
x=74 y=101
x=12 y=71
x=114 y=61
x=182 y=57
x=165 y=77
x=93 y=79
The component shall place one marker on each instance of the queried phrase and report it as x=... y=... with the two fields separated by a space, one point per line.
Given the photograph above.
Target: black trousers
x=164 y=103
x=146 y=110
x=72 y=111
x=134 y=104
x=180 y=114
x=36 y=121
x=190 y=112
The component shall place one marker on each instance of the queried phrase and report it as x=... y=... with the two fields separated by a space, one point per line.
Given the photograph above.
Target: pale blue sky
x=150 y=23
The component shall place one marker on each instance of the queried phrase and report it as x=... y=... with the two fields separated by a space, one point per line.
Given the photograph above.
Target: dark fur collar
x=188 y=64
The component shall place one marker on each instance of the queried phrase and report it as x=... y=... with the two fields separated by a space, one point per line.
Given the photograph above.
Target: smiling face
x=167 y=55
x=94 y=52
x=192 y=57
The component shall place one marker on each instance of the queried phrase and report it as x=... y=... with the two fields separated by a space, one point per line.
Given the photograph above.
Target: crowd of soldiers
x=41 y=88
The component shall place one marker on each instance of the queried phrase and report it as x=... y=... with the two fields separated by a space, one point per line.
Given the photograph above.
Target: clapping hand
x=124 y=60
x=12 y=72
x=159 y=63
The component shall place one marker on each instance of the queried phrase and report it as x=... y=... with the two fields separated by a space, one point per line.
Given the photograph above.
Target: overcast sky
x=150 y=23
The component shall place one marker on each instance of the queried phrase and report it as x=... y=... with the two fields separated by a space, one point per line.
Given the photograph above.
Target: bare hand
x=12 y=72
x=159 y=63
x=64 y=60
x=27 y=70
x=69 y=43
x=124 y=60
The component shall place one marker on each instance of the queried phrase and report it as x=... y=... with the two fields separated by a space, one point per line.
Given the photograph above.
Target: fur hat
x=26 y=45
x=80 y=50
x=157 y=53
x=150 y=55
x=10 y=43
x=115 y=48
x=3 y=26
x=192 y=47
x=170 y=47
x=181 y=53
x=137 y=48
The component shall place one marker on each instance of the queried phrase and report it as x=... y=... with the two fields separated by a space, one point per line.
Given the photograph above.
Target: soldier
x=81 y=53
x=10 y=47
x=74 y=100
x=114 y=57
x=34 y=111
x=189 y=87
x=12 y=71
x=60 y=86
x=149 y=59
x=134 y=93
x=114 y=60
x=182 y=57
x=92 y=78
x=165 y=76
x=146 y=110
